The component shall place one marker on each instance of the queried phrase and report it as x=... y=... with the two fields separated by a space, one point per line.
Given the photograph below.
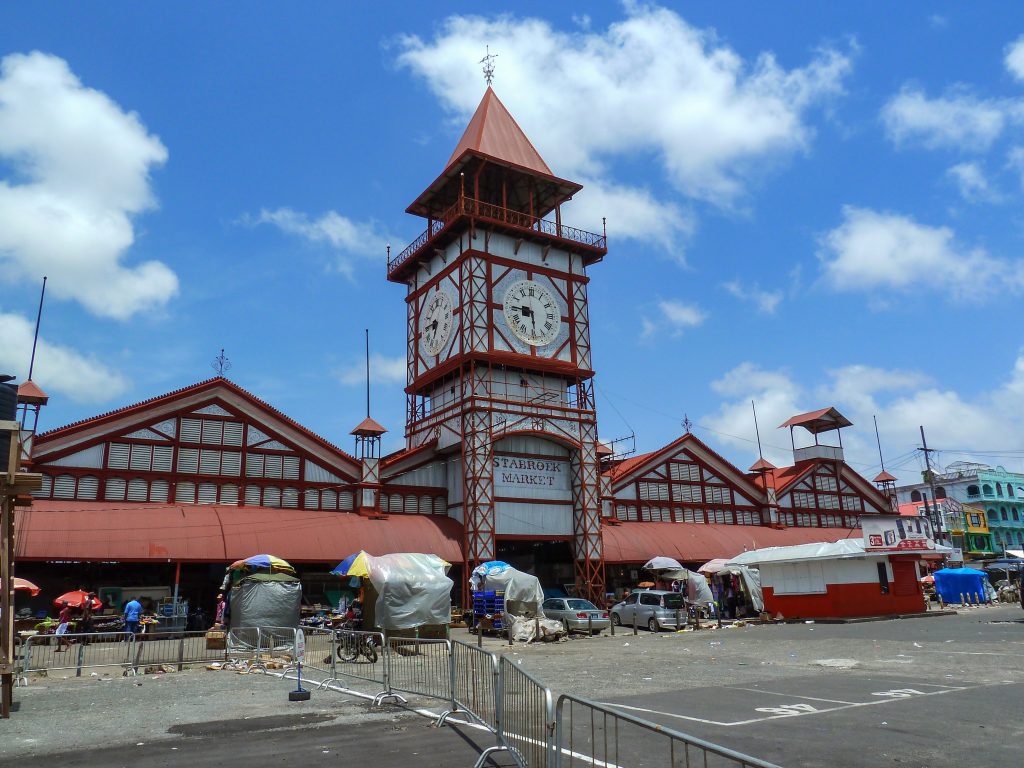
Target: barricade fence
x=491 y=690
x=589 y=734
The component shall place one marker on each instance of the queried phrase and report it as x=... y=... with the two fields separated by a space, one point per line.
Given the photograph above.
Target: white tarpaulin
x=523 y=592
x=413 y=590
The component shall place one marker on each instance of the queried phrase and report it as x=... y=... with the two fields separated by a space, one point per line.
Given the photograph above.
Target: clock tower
x=500 y=378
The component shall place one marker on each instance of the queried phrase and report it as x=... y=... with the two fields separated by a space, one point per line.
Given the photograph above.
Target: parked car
x=576 y=615
x=652 y=608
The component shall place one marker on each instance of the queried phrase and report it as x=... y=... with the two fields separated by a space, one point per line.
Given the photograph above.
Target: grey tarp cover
x=523 y=592
x=697 y=589
x=264 y=601
x=412 y=590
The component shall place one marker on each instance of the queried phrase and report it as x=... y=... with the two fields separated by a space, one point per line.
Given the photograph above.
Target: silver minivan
x=652 y=608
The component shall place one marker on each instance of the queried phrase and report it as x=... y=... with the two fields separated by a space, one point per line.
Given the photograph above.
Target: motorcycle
x=353 y=643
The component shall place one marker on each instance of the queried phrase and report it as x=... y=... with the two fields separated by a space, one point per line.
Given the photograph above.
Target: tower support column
x=588 y=550
x=478 y=487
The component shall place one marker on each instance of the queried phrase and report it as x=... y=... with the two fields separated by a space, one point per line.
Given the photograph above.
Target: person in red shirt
x=64 y=620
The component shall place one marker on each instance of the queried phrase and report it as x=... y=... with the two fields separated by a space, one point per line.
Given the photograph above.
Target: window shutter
x=114 y=489
x=117 y=456
x=88 y=487
x=138 y=489
x=158 y=490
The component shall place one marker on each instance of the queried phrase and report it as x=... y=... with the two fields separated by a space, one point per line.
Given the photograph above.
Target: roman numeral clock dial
x=532 y=313
x=436 y=323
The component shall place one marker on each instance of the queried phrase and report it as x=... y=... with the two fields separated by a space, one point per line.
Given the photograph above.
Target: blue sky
x=808 y=204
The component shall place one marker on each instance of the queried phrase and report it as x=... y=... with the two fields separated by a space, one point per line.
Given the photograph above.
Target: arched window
x=1016 y=515
x=986 y=489
x=1002 y=513
x=940 y=492
x=915 y=496
x=972 y=491
x=1009 y=490
x=999 y=489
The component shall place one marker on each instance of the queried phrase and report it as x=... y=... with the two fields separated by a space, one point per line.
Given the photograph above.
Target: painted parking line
x=784 y=711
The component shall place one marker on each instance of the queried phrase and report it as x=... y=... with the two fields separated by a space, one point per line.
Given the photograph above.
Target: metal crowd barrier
x=418 y=666
x=86 y=650
x=588 y=734
x=527 y=722
x=474 y=684
x=185 y=648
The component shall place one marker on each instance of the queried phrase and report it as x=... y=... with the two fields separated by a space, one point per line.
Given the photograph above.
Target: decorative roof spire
x=488 y=62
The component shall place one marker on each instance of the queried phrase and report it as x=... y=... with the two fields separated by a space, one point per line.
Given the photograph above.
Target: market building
x=502 y=458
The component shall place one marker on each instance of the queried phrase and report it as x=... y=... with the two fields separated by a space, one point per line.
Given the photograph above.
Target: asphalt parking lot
x=928 y=692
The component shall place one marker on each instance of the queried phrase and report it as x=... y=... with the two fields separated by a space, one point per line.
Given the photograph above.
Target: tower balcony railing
x=496 y=214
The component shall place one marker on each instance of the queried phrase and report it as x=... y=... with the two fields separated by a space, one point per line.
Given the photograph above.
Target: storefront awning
x=137 y=532
x=696 y=542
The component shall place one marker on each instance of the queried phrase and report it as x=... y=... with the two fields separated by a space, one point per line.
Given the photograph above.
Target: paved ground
x=932 y=692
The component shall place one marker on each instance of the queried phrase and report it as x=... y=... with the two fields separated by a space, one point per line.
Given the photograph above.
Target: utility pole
x=933 y=515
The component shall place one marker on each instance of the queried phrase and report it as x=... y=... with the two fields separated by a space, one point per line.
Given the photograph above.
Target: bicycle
x=352 y=644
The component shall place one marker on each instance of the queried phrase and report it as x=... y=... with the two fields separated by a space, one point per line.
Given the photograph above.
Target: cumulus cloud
x=673 y=316
x=902 y=400
x=650 y=85
x=958 y=120
x=766 y=302
x=349 y=238
x=383 y=370
x=971 y=182
x=1014 y=58
x=872 y=250
x=80 y=170
x=58 y=369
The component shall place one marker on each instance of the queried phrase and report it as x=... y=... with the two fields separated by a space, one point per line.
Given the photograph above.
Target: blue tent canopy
x=950 y=583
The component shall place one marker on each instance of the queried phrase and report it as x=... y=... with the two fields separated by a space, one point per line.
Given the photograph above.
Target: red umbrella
x=929 y=579
x=25 y=585
x=77 y=599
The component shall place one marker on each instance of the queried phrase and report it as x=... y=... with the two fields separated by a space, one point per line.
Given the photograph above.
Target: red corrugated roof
x=693 y=542
x=494 y=132
x=103 y=531
x=821 y=420
x=884 y=477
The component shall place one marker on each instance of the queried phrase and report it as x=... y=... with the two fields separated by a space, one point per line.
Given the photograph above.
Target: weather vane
x=221 y=364
x=488 y=62
x=687 y=424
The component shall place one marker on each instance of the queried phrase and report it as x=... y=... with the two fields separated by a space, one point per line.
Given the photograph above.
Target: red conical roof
x=368 y=428
x=494 y=132
x=29 y=393
x=884 y=477
x=761 y=464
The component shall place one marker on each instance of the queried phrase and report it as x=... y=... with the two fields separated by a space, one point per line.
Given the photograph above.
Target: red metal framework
x=466 y=210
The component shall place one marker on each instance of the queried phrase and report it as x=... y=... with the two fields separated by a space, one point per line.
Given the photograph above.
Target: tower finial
x=221 y=364
x=687 y=424
x=488 y=62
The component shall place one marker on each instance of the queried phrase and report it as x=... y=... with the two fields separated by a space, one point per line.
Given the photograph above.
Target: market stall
x=264 y=592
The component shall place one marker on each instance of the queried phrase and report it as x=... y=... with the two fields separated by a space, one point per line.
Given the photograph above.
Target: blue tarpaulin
x=951 y=583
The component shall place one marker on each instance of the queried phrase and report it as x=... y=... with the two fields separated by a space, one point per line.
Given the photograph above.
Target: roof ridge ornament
x=488 y=62
x=221 y=364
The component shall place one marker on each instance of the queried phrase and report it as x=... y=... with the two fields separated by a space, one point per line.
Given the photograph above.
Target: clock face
x=436 y=323
x=532 y=312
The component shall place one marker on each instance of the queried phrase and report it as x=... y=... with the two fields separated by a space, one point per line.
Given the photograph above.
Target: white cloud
x=81 y=170
x=957 y=120
x=902 y=401
x=971 y=182
x=383 y=370
x=872 y=250
x=765 y=301
x=675 y=317
x=649 y=85
x=58 y=369
x=1015 y=162
x=349 y=238
x=1014 y=58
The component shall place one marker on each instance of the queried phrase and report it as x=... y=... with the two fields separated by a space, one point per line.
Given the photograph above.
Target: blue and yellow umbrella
x=263 y=563
x=353 y=565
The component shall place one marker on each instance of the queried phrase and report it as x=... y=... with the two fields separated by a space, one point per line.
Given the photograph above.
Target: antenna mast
x=35 y=339
x=367 y=330
x=878 y=440
x=757 y=431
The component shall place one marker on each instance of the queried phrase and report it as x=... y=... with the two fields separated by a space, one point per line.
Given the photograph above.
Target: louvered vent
x=185 y=492
x=329 y=500
x=190 y=429
x=272 y=497
x=233 y=433
x=162 y=458
x=231 y=463
x=142 y=458
x=117 y=456
x=311 y=500
x=209 y=462
x=188 y=460
x=345 y=501
x=64 y=487
x=290 y=498
x=213 y=432
x=158 y=490
x=253 y=465
x=88 y=487
x=207 y=493
x=114 y=489
x=291 y=467
x=252 y=495
x=138 y=489
x=229 y=494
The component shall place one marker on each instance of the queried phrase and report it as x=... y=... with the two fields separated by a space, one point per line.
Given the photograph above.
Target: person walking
x=63 y=621
x=132 y=614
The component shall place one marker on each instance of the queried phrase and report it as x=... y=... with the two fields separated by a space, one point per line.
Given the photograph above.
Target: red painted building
x=501 y=457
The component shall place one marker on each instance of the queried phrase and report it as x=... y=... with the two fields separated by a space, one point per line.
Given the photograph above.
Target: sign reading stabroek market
x=514 y=472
